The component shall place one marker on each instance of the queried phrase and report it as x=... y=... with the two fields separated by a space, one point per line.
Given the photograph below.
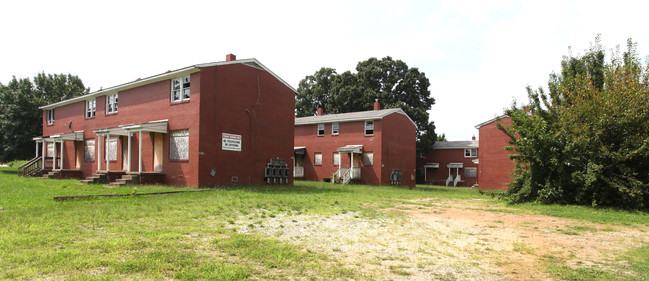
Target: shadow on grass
x=9 y=171
x=282 y=189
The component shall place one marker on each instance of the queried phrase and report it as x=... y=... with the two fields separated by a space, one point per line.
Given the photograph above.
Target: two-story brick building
x=203 y=125
x=451 y=163
x=369 y=147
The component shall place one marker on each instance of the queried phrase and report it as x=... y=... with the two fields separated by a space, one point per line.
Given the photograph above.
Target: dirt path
x=454 y=240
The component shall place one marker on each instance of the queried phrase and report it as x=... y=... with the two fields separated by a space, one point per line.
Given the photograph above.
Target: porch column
x=107 y=153
x=139 y=155
x=128 y=156
x=36 y=149
x=44 y=144
x=98 y=152
x=340 y=161
x=425 y=175
x=61 y=153
x=54 y=156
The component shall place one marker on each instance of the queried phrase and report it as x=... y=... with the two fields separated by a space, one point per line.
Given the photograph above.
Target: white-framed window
x=111 y=104
x=470 y=152
x=470 y=172
x=368 y=158
x=320 y=129
x=335 y=129
x=179 y=144
x=369 y=128
x=317 y=158
x=89 y=149
x=336 y=157
x=180 y=88
x=110 y=149
x=91 y=108
x=50 y=116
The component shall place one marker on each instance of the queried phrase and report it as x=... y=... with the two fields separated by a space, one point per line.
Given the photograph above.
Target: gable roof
x=165 y=76
x=491 y=121
x=350 y=117
x=455 y=144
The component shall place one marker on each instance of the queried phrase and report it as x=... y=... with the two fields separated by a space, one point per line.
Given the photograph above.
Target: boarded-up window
x=317 y=158
x=336 y=158
x=110 y=149
x=90 y=150
x=368 y=158
x=470 y=172
x=179 y=145
x=50 y=149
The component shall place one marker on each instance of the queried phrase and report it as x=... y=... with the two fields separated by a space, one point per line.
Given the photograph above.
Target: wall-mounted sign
x=231 y=142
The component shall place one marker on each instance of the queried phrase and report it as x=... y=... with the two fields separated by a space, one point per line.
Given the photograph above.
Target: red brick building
x=451 y=163
x=369 y=147
x=203 y=125
x=495 y=165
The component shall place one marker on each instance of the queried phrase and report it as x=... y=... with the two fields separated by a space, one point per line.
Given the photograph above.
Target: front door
x=157 y=152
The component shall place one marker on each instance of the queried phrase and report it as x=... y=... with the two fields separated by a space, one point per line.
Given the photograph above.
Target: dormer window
x=111 y=104
x=180 y=89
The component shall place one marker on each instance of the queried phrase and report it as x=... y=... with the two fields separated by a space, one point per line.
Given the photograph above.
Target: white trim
x=337 y=132
x=471 y=154
x=343 y=119
x=113 y=103
x=365 y=127
x=490 y=121
x=318 y=130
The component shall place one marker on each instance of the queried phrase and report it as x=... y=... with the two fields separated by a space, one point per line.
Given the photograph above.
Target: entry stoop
x=52 y=175
x=96 y=178
x=126 y=180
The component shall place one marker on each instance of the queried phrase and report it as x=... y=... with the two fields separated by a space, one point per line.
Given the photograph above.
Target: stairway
x=52 y=175
x=96 y=178
x=126 y=180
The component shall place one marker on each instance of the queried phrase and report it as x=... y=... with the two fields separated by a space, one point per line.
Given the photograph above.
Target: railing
x=457 y=179
x=30 y=168
x=346 y=175
x=356 y=173
x=298 y=172
x=449 y=179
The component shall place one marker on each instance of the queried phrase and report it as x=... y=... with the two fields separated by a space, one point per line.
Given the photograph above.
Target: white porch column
x=36 y=149
x=54 y=156
x=352 y=164
x=139 y=155
x=128 y=156
x=62 y=145
x=98 y=152
x=340 y=161
x=425 y=176
x=44 y=144
x=107 y=153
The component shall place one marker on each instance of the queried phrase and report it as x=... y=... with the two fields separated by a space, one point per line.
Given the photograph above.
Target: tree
x=586 y=141
x=20 y=118
x=441 y=137
x=390 y=81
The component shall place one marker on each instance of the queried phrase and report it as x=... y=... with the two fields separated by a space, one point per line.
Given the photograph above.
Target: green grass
x=189 y=236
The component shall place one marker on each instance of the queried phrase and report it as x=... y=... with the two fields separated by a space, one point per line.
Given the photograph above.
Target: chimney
x=473 y=137
x=320 y=111
x=377 y=105
x=230 y=57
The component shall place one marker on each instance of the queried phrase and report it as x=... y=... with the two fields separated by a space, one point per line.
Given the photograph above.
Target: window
x=320 y=129
x=111 y=104
x=110 y=149
x=50 y=149
x=50 y=117
x=369 y=128
x=334 y=128
x=336 y=158
x=179 y=145
x=180 y=89
x=90 y=150
x=317 y=158
x=470 y=152
x=470 y=172
x=368 y=158
x=91 y=108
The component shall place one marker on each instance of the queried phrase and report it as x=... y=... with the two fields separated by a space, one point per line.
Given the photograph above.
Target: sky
x=478 y=55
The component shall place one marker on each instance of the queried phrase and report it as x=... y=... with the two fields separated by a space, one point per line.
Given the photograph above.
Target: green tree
x=390 y=81
x=20 y=118
x=586 y=141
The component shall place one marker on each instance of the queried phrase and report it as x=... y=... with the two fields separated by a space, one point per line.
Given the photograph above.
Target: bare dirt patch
x=452 y=240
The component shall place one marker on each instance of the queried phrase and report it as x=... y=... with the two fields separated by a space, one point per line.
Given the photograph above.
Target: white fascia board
x=490 y=121
x=247 y=62
x=125 y=86
x=342 y=120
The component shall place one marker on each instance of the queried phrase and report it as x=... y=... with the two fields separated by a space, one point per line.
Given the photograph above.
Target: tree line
x=20 y=118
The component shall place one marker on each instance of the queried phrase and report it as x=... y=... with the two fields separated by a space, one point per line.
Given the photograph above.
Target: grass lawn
x=186 y=236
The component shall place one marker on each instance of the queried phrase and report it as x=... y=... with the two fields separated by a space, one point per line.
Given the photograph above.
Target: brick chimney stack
x=320 y=111
x=230 y=57
x=473 y=137
x=377 y=105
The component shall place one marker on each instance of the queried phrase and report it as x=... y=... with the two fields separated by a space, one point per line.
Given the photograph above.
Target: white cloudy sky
x=478 y=55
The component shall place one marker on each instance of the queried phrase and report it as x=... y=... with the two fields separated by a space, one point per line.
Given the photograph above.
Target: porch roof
x=299 y=150
x=431 y=165
x=159 y=126
x=74 y=136
x=455 y=165
x=351 y=148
